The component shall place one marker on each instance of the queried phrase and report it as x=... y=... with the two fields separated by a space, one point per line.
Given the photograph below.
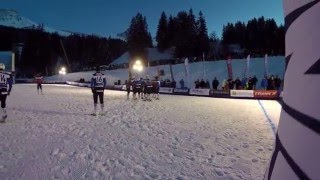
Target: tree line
x=42 y=52
x=257 y=37
x=189 y=37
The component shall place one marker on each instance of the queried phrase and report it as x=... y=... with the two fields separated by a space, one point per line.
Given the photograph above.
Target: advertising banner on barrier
x=268 y=94
x=242 y=93
x=166 y=90
x=219 y=93
x=201 y=92
x=181 y=91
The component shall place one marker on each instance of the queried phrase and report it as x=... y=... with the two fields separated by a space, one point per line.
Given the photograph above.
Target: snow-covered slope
x=207 y=70
x=11 y=18
x=153 y=55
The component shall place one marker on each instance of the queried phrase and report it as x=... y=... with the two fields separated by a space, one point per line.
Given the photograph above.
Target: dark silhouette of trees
x=42 y=51
x=162 y=37
x=257 y=37
x=187 y=35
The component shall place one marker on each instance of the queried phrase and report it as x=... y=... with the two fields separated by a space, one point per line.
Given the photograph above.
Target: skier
x=39 y=80
x=5 y=89
x=98 y=84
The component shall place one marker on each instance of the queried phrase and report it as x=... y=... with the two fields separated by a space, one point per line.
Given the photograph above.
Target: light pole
x=62 y=72
x=138 y=66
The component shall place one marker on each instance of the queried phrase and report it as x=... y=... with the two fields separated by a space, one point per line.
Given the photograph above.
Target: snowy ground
x=179 y=137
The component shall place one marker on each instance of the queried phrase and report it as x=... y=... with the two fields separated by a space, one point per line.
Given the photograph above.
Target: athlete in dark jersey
x=39 y=80
x=148 y=89
x=128 y=87
x=5 y=89
x=137 y=87
x=98 y=84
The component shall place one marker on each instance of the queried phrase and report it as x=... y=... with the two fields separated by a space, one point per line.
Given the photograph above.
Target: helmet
x=2 y=66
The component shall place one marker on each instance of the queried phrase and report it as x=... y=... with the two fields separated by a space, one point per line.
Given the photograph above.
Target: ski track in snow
x=50 y=137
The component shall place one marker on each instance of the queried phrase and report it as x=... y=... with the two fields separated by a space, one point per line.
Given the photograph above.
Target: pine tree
x=202 y=36
x=192 y=32
x=172 y=31
x=138 y=38
x=162 y=33
x=185 y=33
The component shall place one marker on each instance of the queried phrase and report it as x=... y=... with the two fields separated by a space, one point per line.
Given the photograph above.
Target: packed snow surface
x=177 y=137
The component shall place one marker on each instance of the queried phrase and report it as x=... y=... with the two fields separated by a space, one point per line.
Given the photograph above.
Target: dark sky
x=110 y=17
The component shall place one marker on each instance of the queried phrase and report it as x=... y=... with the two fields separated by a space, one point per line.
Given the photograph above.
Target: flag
x=247 y=67
x=229 y=67
x=203 y=56
x=186 y=66
x=266 y=65
x=203 y=66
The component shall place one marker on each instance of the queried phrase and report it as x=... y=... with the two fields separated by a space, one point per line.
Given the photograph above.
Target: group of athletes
x=143 y=88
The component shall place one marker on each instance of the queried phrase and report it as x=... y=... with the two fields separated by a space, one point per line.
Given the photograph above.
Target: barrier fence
x=245 y=94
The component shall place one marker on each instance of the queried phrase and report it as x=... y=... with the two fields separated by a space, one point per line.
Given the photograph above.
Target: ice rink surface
x=51 y=136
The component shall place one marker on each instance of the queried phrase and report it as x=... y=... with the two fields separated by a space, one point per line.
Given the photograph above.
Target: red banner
x=269 y=94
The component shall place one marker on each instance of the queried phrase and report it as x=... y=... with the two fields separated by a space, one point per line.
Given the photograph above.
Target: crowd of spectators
x=267 y=83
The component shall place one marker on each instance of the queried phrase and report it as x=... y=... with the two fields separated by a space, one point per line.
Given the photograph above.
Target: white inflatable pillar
x=297 y=150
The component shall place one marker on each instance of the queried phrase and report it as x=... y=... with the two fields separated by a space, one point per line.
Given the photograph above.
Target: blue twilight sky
x=110 y=17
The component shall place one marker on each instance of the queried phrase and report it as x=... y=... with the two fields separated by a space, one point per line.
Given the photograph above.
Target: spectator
x=225 y=85
x=237 y=83
x=174 y=84
x=277 y=82
x=181 y=84
x=202 y=84
x=231 y=83
x=244 y=83
x=215 y=83
x=197 y=84
x=271 y=83
x=250 y=84
x=207 y=84
x=264 y=83
x=254 y=82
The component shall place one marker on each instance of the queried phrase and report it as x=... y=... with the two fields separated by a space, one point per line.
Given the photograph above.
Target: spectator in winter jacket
x=231 y=84
x=237 y=83
x=277 y=82
x=207 y=84
x=202 y=84
x=264 y=83
x=173 y=84
x=244 y=83
x=250 y=83
x=254 y=82
x=225 y=85
x=181 y=84
x=271 y=83
x=197 y=84
x=215 y=83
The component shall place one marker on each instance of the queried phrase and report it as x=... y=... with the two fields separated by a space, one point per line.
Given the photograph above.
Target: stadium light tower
x=62 y=72
x=137 y=66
